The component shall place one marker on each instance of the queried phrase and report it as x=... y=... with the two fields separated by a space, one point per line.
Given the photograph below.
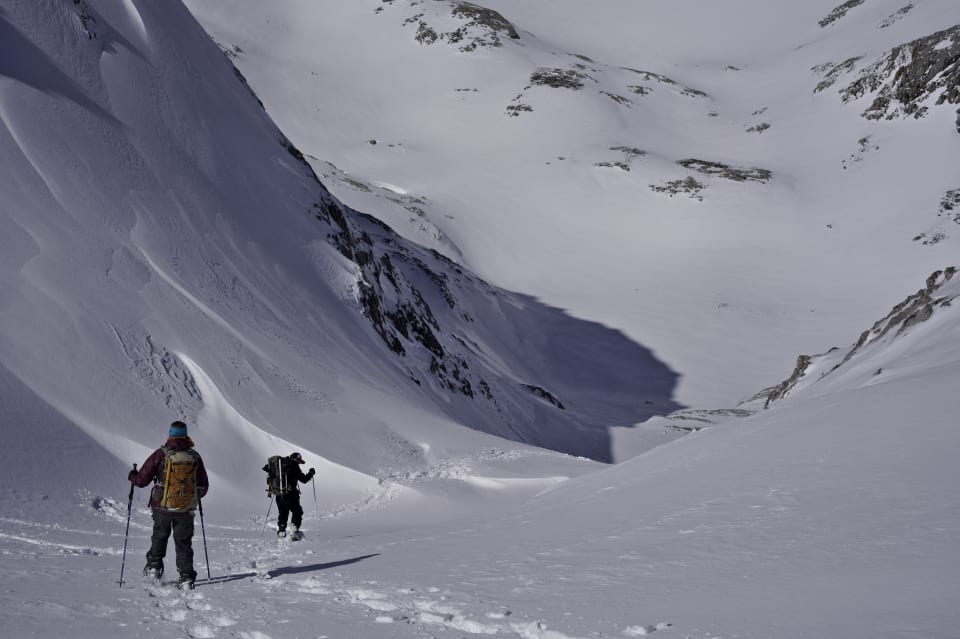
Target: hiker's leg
x=158 y=541
x=297 y=511
x=183 y=542
x=283 y=511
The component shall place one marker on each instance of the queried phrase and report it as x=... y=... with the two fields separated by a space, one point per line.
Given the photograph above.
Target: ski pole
x=266 y=519
x=313 y=482
x=126 y=535
x=204 y=531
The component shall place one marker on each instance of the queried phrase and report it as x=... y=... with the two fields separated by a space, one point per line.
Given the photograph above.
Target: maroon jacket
x=153 y=469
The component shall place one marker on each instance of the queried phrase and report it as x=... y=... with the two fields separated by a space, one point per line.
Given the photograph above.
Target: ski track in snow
x=262 y=584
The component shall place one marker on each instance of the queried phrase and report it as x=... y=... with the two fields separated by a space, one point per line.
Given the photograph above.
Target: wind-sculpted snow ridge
x=877 y=348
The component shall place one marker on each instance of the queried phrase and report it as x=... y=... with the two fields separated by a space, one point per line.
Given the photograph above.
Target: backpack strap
x=166 y=473
x=163 y=471
x=280 y=474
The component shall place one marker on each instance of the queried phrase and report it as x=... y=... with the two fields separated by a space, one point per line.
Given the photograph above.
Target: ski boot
x=153 y=571
x=188 y=581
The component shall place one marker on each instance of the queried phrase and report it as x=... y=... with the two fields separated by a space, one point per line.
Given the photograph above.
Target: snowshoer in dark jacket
x=180 y=481
x=288 y=498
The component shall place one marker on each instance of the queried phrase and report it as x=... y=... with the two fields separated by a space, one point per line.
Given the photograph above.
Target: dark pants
x=289 y=504
x=181 y=525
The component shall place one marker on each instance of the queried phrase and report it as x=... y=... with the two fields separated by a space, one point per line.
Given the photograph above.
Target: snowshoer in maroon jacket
x=180 y=481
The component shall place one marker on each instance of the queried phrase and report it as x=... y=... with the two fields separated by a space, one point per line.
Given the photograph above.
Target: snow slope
x=405 y=108
x=167 y=253
x=164 y=252
x=835 y=516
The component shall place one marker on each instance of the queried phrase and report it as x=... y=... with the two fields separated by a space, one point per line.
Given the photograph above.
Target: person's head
x=177 y=429
x=297 y=457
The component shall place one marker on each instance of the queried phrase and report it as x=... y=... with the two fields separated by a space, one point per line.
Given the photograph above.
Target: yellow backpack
x=179 y=485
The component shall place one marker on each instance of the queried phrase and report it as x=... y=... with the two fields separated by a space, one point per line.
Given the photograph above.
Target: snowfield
x=525 y=283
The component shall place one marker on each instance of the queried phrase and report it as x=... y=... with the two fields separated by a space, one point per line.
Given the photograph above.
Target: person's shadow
x=286 y=570
x=293 y=570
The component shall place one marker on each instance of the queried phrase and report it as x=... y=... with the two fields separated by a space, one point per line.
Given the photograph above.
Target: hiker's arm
x=148 y=471
x=203 y=482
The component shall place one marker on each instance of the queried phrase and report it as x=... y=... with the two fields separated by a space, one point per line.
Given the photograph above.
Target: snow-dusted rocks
x=939 y=293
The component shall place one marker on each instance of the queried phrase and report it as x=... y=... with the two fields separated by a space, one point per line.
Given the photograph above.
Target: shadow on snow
x=293 y=570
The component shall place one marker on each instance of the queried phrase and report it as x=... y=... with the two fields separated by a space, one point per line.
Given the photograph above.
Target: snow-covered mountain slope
x=917 y=334
x=166 y=251
x=835 y=516
x=702 y=178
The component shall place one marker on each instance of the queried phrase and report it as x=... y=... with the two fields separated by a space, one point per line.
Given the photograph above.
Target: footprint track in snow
x=430 y=608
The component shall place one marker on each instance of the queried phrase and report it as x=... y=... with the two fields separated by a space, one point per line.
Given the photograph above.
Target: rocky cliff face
x=906 y=81
x=467 y=345
x=915 y=309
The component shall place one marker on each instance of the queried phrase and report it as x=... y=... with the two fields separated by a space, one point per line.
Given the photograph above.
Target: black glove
x=311 y=473
x=131 y=475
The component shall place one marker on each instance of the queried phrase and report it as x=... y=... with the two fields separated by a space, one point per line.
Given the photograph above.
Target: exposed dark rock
x=513 y=110
x=648 y=75
x=951 y=202
x=484 y=389
x=559 y=78
x=544 y=394
x=688 y=185
x=619 y=99
x=839 y=12
x=832 y=72
x=629 y=154
x=910 y=74
x=246 y=85
x=915 y=309
x=488 y=18
x=781 y=389
x=425 y=34
x=949 y=213
x=481 y=27
x=694 y=420
x=719 y=169
x=661 y=79
x=896 y=16
x=87 y=19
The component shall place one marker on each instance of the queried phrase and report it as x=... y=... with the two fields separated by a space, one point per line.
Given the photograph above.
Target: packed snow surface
x=164 y=255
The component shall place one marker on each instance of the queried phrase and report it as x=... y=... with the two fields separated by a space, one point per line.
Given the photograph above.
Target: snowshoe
x=153 y=572
x=296 y=535
x=187 y=581
x=281 y=534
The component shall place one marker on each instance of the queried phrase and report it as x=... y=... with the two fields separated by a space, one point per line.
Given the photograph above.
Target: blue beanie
x=178 y=429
